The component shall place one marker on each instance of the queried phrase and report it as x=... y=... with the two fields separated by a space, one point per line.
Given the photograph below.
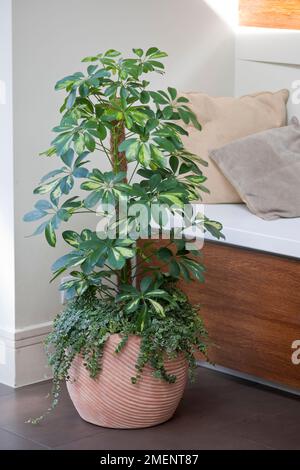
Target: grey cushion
x=264 y=168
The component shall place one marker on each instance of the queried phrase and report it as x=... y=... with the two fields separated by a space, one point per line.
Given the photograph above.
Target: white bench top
x=242 y=228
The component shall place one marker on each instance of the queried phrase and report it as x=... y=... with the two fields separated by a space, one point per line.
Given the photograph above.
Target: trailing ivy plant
x=111 y=113
x=87 y=322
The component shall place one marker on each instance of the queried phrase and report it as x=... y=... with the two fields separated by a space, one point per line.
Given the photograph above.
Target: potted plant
x=127 y=336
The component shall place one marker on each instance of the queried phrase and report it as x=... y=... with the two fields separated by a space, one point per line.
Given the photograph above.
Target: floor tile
x=9 y=441
x=30 y=401
x=217 y=412
x=62 y=425
x=54 y=431
x=281 y=432
x=6 y=390
x=155 y=438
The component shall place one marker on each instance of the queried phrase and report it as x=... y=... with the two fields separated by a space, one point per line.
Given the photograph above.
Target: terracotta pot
x=112 y=401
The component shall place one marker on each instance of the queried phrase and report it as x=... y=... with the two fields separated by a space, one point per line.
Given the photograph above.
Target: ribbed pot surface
x=111 y=400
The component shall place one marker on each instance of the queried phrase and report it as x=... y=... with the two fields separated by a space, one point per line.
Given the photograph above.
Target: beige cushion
x=265 y=170
x=224 y=120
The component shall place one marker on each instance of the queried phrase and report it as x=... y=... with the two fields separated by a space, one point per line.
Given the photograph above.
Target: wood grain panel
x=251 y=307
x=270 y=13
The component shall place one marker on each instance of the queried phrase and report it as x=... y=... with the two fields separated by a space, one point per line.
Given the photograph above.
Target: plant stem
x=119 y=163
x=108 y=278
x=116 y=137
x=139 y=263
x=133 y=173
x=105 y=151
x=86 y=212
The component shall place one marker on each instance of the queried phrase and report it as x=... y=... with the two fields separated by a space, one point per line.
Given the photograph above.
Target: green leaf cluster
x=113 y=99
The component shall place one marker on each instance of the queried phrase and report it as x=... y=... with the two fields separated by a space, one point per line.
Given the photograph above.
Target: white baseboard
x=22 y=356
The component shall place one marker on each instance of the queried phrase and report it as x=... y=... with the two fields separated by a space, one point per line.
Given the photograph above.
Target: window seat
x=242 y=228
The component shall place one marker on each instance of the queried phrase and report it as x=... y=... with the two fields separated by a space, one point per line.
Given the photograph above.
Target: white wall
x=7 y=280
x=6 y=173
x=49 y=40
x=268 y=59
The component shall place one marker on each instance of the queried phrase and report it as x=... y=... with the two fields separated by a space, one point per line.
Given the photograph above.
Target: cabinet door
x=251 y=307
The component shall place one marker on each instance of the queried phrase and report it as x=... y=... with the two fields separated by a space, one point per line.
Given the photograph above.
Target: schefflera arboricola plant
x=110 y=112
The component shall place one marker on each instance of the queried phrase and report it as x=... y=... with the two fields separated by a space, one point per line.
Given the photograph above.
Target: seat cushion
x=264 y=168
x=225 y=119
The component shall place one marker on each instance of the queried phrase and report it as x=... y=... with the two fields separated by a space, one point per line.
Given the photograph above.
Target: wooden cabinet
x=251 y=307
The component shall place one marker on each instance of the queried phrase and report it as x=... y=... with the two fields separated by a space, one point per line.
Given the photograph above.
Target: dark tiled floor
x=217 y=412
